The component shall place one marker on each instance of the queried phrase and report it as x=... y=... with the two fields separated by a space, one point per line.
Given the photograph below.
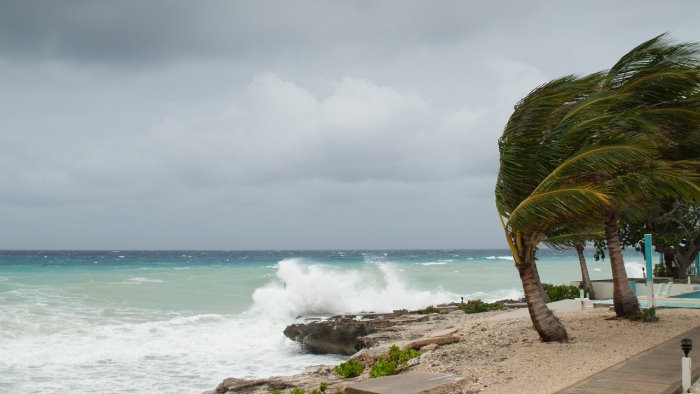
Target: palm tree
x=648 y=95
x=530 y=150
x=566 y=238
x=576 y=149
x=585 y=278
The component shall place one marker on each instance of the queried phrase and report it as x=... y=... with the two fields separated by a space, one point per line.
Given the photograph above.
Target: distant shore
x=497 y=355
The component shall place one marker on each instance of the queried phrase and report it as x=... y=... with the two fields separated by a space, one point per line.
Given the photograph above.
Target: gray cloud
x=275 y=124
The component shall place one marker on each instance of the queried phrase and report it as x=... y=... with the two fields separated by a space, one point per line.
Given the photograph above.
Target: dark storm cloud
x=137 y=32
x=280 y=124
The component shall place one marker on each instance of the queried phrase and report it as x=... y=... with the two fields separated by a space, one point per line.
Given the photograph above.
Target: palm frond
x=539 y=211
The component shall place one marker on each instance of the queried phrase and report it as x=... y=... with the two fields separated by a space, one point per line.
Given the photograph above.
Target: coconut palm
x=579 y=246
x=530 y=150
x=650 y=95
x=577 y=149
x=575 y=238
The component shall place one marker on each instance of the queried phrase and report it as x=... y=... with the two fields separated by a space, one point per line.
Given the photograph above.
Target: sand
x=506 y=356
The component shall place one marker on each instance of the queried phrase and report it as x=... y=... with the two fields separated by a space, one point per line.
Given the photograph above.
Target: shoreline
x=499 y=354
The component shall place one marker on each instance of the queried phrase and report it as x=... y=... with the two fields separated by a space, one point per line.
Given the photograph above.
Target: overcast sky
x=280 y=124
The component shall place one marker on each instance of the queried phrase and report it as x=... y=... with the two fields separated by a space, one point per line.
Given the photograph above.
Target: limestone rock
x=442 y=340
x=339 y=334
x=429 y=347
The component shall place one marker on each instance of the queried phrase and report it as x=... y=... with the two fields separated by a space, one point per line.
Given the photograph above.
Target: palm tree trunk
x=624 y=300
x=587 y=285
x=545 y=323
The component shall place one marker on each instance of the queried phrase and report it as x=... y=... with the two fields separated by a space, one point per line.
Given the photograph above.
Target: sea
x=182 y=321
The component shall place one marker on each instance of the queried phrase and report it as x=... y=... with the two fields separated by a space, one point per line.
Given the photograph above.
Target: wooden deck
x=657 y=370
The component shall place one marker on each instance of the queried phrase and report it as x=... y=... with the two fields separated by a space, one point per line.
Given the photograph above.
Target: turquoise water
x=694 y=294
x=181 y=321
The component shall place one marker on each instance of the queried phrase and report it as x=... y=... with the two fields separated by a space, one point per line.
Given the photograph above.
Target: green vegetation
x=478 y=306
x=646 y=315
x=382 y=367
x=349 y=369
x=401 y=312
x=560 y=292
x=659 y=269
x=431 y=309
x=401 y=357
x=296 y=390
x=396 y=358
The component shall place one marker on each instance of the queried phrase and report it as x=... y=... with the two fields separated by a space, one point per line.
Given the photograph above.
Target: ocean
x=182 y=321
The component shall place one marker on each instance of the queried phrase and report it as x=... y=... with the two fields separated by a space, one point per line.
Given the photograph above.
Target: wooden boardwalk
x=657 y=370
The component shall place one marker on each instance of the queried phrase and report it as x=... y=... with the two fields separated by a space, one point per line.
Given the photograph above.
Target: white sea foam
x=509 y=258
x=431 y=263
x=305 y=289
x=491 y=296
x=139 y=280
x=52 y=343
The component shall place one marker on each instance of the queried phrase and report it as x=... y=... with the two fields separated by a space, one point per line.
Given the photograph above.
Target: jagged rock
x=340 y=334
x=235 y=385
x=365 y=357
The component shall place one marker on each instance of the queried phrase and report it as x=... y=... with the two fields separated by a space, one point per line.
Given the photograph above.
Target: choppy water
x=127 y=321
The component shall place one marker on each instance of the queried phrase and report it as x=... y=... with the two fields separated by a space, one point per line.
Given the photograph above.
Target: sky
x=358 y=124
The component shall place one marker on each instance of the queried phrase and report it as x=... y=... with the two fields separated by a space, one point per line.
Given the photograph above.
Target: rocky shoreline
x=364 y=337
x=491 y=351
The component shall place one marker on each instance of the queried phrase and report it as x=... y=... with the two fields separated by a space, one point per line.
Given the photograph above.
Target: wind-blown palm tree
x=528 y=155
x=575 y=149
x=648 y=95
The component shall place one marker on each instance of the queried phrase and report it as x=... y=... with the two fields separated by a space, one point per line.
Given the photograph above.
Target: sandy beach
x=504 y=355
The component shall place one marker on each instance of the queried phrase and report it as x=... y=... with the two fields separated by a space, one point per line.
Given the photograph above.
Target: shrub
x=382 y=367
x=430 y=309
x=560 y=292
x=401 y=312
x=276 y=391
x=349 y=369
x=647 y=315
x=401 y=357
x=396 y=357
x=478 y=306
x=297 y=390
x=323 y=387
x=659 y=269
